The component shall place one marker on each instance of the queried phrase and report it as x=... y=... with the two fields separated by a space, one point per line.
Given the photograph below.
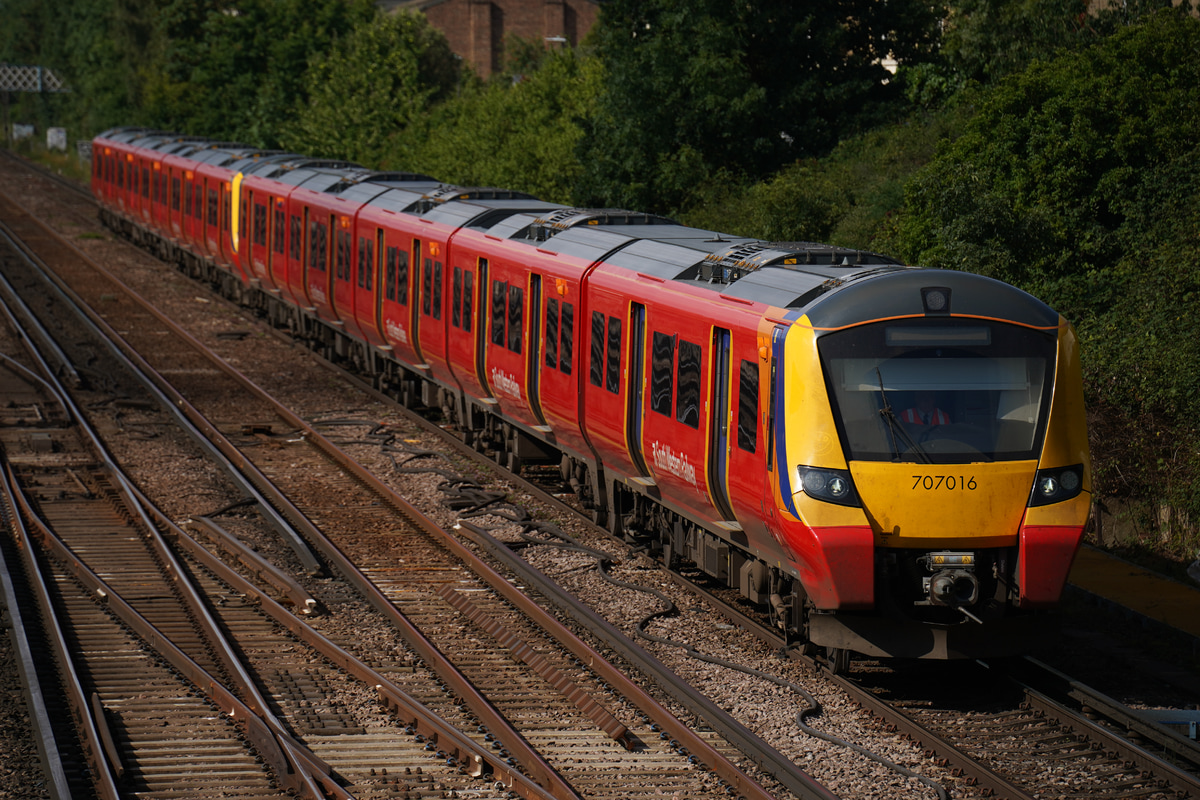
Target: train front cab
x=940 y=539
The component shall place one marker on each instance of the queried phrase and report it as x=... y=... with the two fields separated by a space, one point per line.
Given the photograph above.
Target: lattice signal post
x=26 y=79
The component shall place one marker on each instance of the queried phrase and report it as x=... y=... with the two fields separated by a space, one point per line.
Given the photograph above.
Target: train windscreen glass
x=939 y=391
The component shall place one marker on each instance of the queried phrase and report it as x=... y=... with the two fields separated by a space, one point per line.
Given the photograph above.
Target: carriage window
x=362 y=262
x=187 y=200
x=456 y=299
x=369 y=264
x=318 y=255
x=516 y=308
x=175 y=194
x=389 y=278
x=437 y=289
x=401 y=277
x=145 y=183
x=612 y=376
x=468 y=299
x=499 y=296
x=687 y=404
x=747 y=427
x=662 y=365
x=280 y=229
x=212 y=207
x=427 y=287
x=260 y=225
x=597 y=369
x=552 y=332
x=198 y=206
x=340 y=269
x=566 y=325
x=296 y=227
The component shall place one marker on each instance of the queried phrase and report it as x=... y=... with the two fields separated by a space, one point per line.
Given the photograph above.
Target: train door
x=534 y=351
x=308 y=258
x=421 y=294
x=718 y=460
x=635 y=397
x=379 y=284
x=481 y=326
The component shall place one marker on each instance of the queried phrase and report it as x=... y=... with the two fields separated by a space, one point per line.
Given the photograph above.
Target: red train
x=891 y=460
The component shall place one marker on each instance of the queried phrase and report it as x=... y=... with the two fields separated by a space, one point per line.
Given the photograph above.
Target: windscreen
x=939 y=390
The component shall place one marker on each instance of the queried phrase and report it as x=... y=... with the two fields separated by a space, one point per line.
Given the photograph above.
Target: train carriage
x=215 y=168
x=367 y=288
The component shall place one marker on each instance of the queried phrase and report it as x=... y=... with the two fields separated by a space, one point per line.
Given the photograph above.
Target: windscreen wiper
x=896 y=427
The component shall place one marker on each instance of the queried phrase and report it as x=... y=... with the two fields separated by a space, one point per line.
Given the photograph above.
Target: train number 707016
x=953 y=482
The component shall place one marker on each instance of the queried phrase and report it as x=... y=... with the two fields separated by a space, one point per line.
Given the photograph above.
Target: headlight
x=830 y=485
x=1056 y=485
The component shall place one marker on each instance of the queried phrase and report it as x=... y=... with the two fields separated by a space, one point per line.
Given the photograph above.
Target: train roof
x=917 y=291
x=485 y=213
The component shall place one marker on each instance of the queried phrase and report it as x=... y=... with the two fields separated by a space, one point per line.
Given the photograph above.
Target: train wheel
x=838 y=659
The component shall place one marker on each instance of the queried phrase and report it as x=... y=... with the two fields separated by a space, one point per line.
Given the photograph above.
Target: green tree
x=372 y=85
x=236 y=71
x=520 y=131
x=703 y=91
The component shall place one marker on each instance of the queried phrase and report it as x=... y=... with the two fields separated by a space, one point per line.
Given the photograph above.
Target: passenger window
x=320 y=247
x=612 y=376
x=362 y=262
x=662 y=367
x=389 y=280
x=747 y=427
x=552 y=332
x=499 y=297
x=401 y=277
x=456 y=299
x=296 y=228
x=566 y=325
x=597 y=367
x=437 y=289
x=341 y=269
x=280 y=229
x=427 y=288
x=516 y=298
x=687 y=403
x=468 y=299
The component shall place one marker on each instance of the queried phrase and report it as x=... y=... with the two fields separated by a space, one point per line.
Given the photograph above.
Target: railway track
x=616 y=751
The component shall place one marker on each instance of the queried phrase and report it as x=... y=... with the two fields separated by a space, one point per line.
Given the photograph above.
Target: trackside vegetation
x=1043 y=142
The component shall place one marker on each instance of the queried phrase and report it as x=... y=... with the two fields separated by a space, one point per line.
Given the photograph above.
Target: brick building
x=477 y=29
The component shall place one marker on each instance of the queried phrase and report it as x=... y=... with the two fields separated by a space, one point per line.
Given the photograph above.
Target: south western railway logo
x=506 y=383
x=673 y=463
